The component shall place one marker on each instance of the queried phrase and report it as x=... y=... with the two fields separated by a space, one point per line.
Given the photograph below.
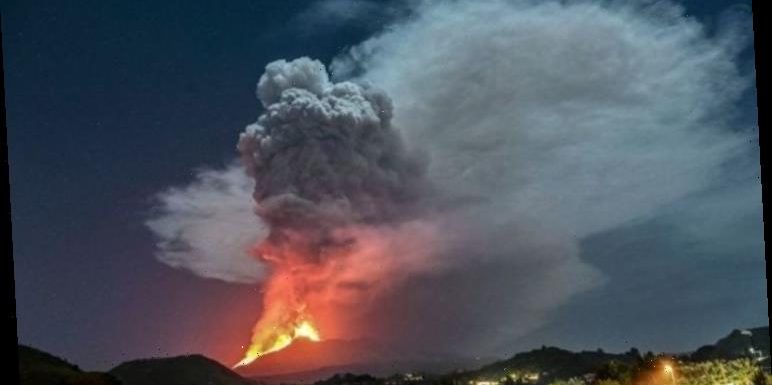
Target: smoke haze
x=457 y=159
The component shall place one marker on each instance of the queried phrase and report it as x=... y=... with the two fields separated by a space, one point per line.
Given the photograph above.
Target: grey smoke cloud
x=594 y=113
x=558 y=120
x=324 y=155
x=209 y=226
x=542 y=123
x=324 y=144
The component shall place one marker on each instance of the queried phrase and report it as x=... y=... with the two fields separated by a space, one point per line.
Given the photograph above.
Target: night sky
x=109 y=102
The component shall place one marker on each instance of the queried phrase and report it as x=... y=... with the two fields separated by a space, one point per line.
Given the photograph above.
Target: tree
x=634 y=353
x=615 y=371
x=762 y=378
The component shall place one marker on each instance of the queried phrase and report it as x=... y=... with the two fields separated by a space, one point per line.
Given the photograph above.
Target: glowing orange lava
x=286 y=315
x=303 y=330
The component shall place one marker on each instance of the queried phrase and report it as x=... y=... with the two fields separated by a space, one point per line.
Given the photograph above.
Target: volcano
x=307 y=360
x=306 y=355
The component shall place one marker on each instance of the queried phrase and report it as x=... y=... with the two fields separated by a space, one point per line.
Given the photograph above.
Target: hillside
x=304 y=355
x=40 y=368
x=318 y=360
x=549 y=363
x=304 y=361
x=379 y=369
x=182 y=370
x=738 y=344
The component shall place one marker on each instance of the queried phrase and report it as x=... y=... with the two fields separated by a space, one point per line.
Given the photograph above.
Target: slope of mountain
x=304 y=355
x=739 y=343
x=182 y=370
x=378 y=369
x=305 y=361
x=40 y=368
x=550 y=363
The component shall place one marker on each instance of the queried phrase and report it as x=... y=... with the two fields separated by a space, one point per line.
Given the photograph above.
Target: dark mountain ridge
x=538 y=366
x=181 y=370
x=306 y=360
x=739 y=343
x=37 y=367
x=549 y=363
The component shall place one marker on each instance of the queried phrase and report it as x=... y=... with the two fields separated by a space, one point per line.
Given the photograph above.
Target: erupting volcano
x=332 y=183
x=281 y=339
x=449 y=209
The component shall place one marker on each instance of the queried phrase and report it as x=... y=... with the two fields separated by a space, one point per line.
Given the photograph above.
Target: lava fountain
x=281 y=339
x=286 y=315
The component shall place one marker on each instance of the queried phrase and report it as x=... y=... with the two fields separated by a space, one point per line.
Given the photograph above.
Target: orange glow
x=315 y=290
x=303 y=330
x=286 y=314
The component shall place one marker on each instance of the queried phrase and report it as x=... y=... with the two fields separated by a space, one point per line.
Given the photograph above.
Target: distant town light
x=484 y=382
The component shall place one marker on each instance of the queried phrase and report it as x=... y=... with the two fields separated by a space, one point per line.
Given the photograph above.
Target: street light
x=669 y=370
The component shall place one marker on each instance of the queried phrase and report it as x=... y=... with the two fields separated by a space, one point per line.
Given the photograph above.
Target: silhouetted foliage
x=616 y=371
x=40 y=368
x=183 y=370
x=349 y=379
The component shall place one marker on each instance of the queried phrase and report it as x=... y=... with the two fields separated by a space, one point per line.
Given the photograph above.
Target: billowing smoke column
x=542 y=124
x=324 y=156
x=331 y=173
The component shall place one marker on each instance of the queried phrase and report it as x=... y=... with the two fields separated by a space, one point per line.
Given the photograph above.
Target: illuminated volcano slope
x=305 y=360
x=304 y=355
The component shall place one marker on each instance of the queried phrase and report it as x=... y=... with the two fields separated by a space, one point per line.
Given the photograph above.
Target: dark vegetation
x=184 y=370
x=40 y=368
x=740 y=358
x=735 y=345
x=550 y=363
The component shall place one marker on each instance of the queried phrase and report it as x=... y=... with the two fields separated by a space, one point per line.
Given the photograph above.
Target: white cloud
x=596 y=114
x=209 y=226
x=559 y=120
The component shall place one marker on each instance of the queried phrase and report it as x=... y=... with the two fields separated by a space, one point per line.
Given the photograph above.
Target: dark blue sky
x=109 y=102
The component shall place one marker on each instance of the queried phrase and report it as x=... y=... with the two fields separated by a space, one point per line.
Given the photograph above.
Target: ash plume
x=334 y=183
x=325 y=155
x=499 y=136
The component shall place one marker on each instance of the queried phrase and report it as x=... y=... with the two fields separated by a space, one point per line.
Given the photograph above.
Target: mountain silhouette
x=182 y=370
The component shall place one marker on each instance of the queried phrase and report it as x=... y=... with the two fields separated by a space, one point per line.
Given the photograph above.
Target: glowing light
x=305 y=329
x=669 y=371
x=302 y=330
x=483 y=382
